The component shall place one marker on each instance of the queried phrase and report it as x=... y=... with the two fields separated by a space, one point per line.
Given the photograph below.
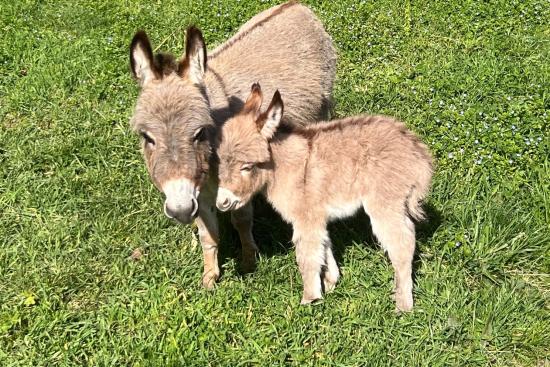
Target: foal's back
x=367 y=156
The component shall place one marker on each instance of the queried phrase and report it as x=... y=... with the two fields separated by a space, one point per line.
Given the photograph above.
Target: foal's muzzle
x=226 y=200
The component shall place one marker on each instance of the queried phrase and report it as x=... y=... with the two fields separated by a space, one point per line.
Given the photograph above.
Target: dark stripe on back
x=245 y=33
x=310 y=131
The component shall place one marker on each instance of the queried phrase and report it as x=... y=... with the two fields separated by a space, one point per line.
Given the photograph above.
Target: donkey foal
x=327 y=171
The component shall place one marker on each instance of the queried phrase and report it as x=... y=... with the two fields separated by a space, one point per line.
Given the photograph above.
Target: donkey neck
x=290 y=156
x=218 y=96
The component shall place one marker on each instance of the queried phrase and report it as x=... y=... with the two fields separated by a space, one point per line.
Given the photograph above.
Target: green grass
x=472 y=78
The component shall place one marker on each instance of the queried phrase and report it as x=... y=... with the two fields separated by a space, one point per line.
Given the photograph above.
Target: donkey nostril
x=169 y=212
x=226 y=202
x=195 y=207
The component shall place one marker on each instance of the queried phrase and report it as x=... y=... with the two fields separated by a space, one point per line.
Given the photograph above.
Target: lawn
x=472 y=78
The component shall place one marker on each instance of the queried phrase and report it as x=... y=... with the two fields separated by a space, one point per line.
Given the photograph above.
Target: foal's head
x=244 y=150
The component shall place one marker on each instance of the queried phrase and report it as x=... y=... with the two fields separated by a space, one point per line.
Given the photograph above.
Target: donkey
x=323 y=172
x=182 y=105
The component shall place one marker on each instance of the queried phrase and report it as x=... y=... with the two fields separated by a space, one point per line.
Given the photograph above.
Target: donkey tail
x=419 y=190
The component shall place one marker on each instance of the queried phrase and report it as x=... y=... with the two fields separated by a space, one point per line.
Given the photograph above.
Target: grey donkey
x=183 y=103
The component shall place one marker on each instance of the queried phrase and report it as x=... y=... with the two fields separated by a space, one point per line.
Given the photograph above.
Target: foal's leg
x=310 y=255
x=331 y=273
x=395 y=231
x=242 y=221
x=209 y=238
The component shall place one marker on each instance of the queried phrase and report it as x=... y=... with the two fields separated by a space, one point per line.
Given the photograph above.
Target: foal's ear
x=193 y=64
x=269 y=121
x=142 y=63
x=254 y=101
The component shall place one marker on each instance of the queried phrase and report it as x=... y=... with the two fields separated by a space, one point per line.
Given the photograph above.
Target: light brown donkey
x=183 y=103
x=324 y=172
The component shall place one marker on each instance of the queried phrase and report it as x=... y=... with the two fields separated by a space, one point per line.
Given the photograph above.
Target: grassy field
x=472 y=78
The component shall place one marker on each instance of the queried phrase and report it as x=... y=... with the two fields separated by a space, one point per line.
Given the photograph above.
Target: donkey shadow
x=273 y=235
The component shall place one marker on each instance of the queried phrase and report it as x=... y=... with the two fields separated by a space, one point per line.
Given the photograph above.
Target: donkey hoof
x=248 y=267
x=309 y=300
x=329 y=283
x=209 y=280
x=403 y=303
x=248 y=262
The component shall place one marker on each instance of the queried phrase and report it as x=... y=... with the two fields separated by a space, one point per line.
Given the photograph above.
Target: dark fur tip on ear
x=276 y=100
x=277 y=97
x=255 y=88
x=194 y=38
x=140 y=39
x=254 y=100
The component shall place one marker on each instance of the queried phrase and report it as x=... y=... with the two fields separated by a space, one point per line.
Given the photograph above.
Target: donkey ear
x=254 y=101
x=141 y=59
x=193 y=64
x=270 y=119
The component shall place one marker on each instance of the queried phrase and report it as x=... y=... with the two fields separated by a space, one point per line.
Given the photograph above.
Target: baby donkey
x=326 y=171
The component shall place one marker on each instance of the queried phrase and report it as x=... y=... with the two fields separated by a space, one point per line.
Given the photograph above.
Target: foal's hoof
x=403 y=303
x=329 y=282
x=310 y=300
x=328 y=285
x=248 y=262
x=247 y=267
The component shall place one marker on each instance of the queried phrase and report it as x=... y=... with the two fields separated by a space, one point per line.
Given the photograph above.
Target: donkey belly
x=342 y=210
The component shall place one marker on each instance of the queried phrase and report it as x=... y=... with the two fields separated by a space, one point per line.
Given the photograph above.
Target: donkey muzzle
x=181 y=201
x=226 y=200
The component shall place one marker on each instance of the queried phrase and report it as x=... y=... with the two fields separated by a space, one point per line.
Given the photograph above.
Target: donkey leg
x=331 y=273
x=207 y=223
x=242 y=220
x=396 y=234
x=310 y=255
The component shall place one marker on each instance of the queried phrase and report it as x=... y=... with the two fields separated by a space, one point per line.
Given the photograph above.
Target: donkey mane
x=166 y=63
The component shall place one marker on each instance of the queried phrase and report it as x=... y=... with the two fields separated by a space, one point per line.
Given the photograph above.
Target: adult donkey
x=182 y=105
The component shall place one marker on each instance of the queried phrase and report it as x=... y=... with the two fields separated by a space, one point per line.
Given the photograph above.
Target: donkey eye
x=148 y=139
x=199 y=135
x=247 y=167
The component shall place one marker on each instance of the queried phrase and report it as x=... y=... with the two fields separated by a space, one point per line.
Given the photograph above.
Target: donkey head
x=244 y=150
x=172 y=116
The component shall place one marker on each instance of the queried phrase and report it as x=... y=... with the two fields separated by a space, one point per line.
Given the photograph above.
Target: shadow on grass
x=273 y=235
